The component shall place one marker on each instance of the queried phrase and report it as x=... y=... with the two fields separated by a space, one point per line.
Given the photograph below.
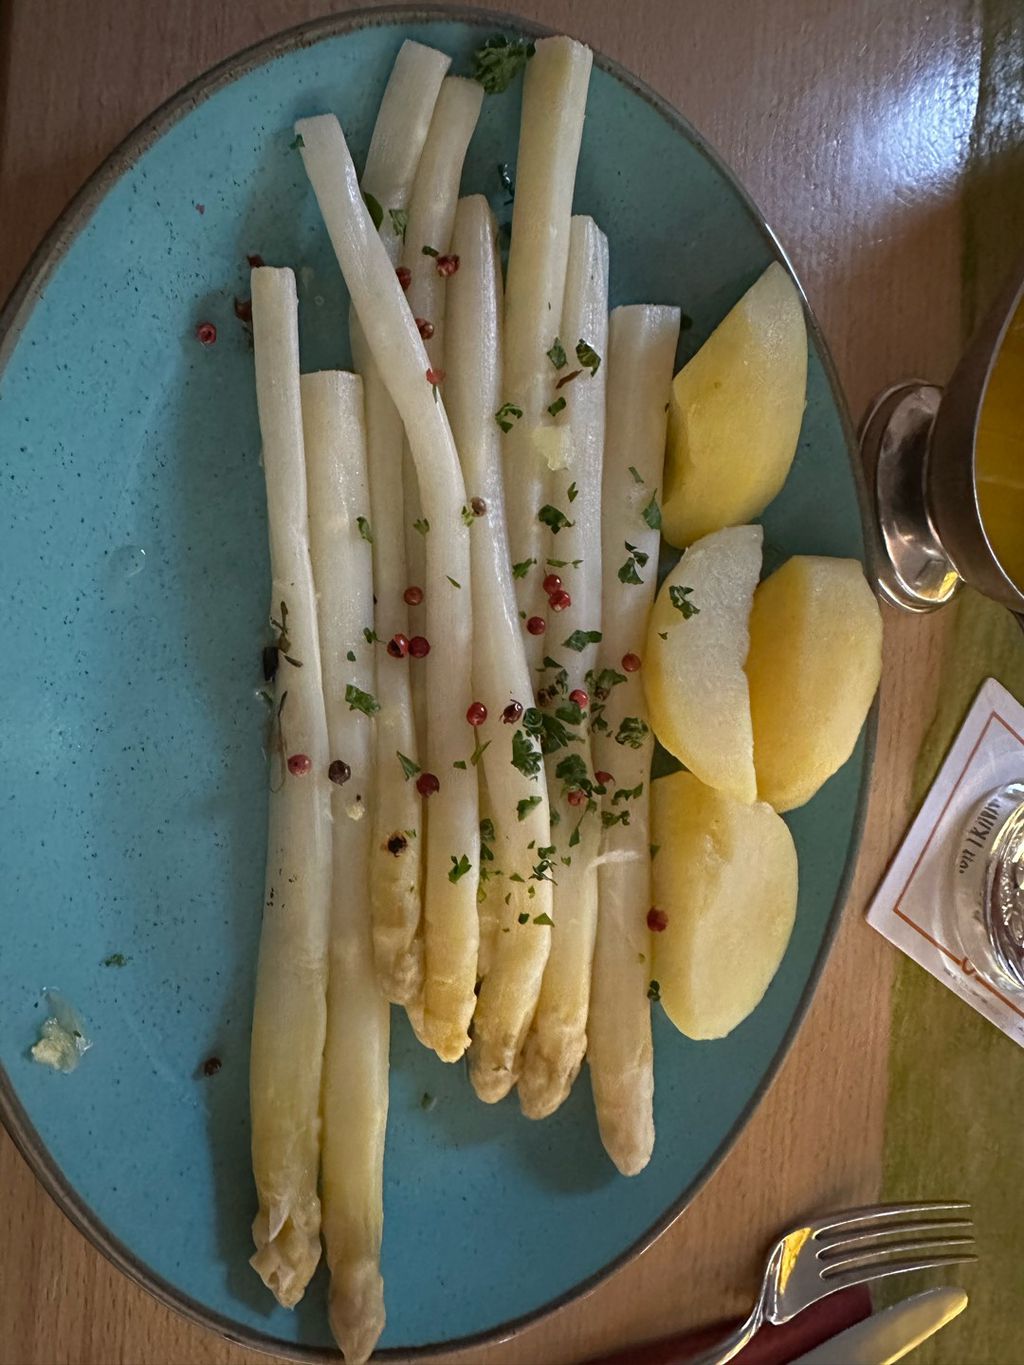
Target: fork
x=846 y=1249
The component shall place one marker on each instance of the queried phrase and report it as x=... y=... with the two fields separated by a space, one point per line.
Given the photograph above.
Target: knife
x=891 y=1333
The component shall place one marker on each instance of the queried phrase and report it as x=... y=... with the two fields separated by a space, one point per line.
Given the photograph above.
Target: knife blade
x=891 y=1333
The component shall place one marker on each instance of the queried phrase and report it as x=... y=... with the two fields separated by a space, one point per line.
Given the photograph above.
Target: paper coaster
x=914 y=906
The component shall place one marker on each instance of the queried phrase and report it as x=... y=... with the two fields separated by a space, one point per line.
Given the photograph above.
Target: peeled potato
x=725 y=879
x=736 y=411
x=697 y=696
x=813 y=667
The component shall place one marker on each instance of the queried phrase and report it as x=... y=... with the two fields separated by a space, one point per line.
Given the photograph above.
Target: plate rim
x=14 y=315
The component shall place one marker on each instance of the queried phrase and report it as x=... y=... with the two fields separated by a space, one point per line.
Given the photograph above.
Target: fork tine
x=848 y=1278
x=875 y=1256
x=876 y=1213
x=915 y=1227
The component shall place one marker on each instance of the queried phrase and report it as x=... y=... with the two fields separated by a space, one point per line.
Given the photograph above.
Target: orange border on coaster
x=962 y=962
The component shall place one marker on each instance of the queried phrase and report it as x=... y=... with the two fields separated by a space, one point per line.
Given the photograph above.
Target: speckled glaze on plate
x=135 y=572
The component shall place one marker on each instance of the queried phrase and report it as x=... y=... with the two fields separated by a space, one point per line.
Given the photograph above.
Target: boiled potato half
x=813 y=668
x=725 y=880
x=735 y=414
x=697 y=637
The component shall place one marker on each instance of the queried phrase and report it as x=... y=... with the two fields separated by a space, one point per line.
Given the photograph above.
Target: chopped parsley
x=654 y=991
x=554 y=519
x=350 y=656
x=498 y=61
x=370 y=636
x=468 y=518
x=557 y=355
x=679 y=599
x=375 y=210
x=364 y=529
x=543 y=919
x=527 y=804
x=632 y=731
x=296 y=142
x=636 y=474
x=408 y=766
x=523 y=917
x=627 y=794
x=399 y=221
x=551 y=732
x=423 y=526
x=611 y=817
x=507 y=416
x=460 y=763
x=637 y=559
x=521 y=569
x=563 y=563
x=429 y=251
x=358 y=700
x=460 y=866
x=454 y=582
x=573 y=492
x=579 y=640
x=525 y=755
x=587 y=356
x=652 y=513
x=556 y=407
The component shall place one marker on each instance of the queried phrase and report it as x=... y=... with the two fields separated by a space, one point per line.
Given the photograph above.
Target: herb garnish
x=678 y=598
x=588 y=357
x=557 y=355
x=296 y=142
x=521 y=569
x=632 y=731
x=452 y=581
x=460 y=866
x=375 y=210
x=358 y=700
x=364 y=529
x=408 y=766
x=399 y=221
x=284 y=644
x=423 y=526
x=527 y=804
x=554 y=519
x=468 y=516
x=543 y=919
x=573 y=492
x=370 y=636
x=556 y=407
x=119 y=959
x=525 y=756
x=652 y=513
x=507 y=415
x=637 y=559
x=429 y=251
x=499 y=60
x=636 y=474
x=654 y=991
x=579 y=640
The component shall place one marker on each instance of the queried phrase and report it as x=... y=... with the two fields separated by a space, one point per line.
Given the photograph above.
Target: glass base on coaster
x=986 y=909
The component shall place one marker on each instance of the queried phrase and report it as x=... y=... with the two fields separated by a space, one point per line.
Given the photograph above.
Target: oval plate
x=134 y=802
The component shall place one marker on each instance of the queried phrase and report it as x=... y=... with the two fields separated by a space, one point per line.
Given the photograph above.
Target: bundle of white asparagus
x=463 y=558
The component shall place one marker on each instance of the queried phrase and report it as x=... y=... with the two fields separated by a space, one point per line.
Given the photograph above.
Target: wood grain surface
x=851 y=125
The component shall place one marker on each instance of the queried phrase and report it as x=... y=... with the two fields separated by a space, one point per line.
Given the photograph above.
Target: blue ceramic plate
x=134 y=565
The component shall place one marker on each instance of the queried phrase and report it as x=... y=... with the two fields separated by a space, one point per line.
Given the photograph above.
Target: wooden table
x=851 y=124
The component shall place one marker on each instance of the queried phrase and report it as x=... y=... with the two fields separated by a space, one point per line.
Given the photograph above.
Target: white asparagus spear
x=551 y=128
x=355 y=1077
x=557 y=1040
x=516 y=786
x=289 y=1015
x=451 y=930
x=431 y=217
x=399 y=133
x=641 y=353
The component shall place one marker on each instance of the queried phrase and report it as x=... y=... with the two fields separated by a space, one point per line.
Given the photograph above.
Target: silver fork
x=844 y=1249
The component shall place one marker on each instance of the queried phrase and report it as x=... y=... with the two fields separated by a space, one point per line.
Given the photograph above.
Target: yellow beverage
x=999 y=453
